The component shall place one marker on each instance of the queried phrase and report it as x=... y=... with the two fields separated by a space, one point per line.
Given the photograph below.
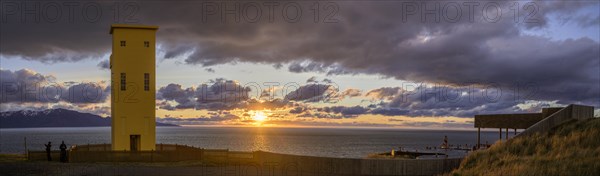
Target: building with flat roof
x=132 y=69
x=531 y=122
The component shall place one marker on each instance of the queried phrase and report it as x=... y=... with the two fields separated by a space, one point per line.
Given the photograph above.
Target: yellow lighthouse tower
x=132 y=69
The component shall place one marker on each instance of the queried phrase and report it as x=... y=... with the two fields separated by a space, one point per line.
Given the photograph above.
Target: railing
x=41 y=155
x=163 y=153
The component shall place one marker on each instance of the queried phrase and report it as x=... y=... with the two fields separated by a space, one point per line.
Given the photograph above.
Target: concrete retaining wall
x=297 y=165
x=582 y=112
x=569 y=113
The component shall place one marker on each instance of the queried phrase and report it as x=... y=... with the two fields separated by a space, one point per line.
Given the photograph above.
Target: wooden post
x=25 y=142
x=478 y=137
x=515 y=131
x=500 y=134
x=506 y=133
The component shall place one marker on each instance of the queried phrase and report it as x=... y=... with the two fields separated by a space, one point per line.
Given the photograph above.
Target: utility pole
x=25 y=142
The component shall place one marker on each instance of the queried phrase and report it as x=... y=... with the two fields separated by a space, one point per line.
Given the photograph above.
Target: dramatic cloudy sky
x=308 y=63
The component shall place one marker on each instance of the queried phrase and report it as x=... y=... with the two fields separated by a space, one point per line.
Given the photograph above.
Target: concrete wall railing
x=296 y=165
x=582 y=112
x=569 y=113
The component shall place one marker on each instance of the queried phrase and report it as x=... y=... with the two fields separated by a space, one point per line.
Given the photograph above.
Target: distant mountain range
x=54 y=118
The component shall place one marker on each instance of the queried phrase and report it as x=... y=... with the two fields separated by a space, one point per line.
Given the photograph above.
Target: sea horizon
x=340 y=142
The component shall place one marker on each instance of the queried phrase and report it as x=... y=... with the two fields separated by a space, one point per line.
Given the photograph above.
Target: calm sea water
x=332 y=142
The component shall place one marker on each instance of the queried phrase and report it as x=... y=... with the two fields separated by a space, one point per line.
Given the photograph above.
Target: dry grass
x=571 y=149
x=12 y=157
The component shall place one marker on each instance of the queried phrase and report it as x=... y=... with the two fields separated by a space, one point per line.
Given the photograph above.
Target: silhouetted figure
x=48 y=148
x=63 y=152
x=445 y=144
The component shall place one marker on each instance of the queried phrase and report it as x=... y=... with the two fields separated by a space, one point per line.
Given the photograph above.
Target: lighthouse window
x=146 y=44
x=123 y=81
x=123 y=43
x=146 y=82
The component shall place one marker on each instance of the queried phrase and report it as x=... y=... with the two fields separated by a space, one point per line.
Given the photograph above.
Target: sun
x=259 y=116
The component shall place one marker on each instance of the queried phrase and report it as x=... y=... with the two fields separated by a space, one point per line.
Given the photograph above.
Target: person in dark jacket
x=48 y=148
x=63 y=152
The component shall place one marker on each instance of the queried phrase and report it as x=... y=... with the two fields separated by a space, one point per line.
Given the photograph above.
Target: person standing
x=48 y=148
x=445 y=144
x=63 y=152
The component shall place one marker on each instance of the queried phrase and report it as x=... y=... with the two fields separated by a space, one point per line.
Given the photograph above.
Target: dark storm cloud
x=55 y=31
x=104 y=65
x=212 y=118
x=327 y=91
x=28 y=86
x=299 y=67
x=562 y=9
x=87 y=93
x=298 y=110
x=210 y=70
x=312 y=80
x=389 y=111
x=588 y=21
x=452 y=101
x=371 y=38
x=222 y=90
x=173 y=92
x=347 y=111
x=311 y=66
x=221 y=94
x=321 y=115
x=218 y=94
x=276 y=103
x=352 y=111
x=312 y=93
x=363 y=37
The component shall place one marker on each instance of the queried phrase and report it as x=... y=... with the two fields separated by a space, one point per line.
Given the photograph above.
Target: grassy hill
x=570 y=149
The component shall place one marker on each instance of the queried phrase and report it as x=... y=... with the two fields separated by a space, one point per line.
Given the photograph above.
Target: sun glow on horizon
x=259 y=117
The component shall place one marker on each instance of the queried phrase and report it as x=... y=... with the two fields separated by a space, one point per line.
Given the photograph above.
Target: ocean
x=329 y=142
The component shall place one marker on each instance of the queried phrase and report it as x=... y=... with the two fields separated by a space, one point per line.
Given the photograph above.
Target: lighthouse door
x=134 y=142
